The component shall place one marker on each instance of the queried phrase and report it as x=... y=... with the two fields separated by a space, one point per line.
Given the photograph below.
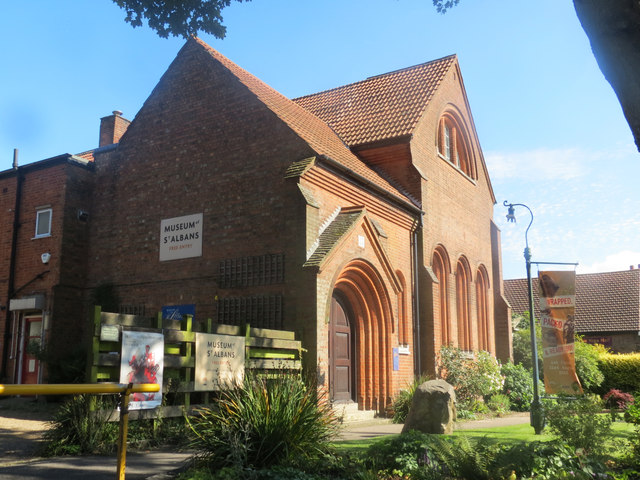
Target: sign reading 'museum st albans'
x=219 y=361
x=181 y=237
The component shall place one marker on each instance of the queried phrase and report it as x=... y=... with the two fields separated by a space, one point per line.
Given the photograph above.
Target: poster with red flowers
x=142 y=362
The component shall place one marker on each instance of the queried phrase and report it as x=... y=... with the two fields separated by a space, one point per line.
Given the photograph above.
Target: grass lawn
x=621 y=432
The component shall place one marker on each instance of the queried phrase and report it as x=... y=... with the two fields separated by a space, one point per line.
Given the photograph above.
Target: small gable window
x=453 y=145
x=43 y=223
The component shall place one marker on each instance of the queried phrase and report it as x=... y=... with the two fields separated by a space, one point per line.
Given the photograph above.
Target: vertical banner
x=141 y=361
x=219 y=361
x=557 y=309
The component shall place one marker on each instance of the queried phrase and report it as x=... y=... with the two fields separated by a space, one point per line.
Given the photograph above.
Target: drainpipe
x=12 y=259
x=416 y=300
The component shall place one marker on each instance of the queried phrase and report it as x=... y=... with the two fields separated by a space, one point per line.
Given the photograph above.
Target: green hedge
x=621 y=371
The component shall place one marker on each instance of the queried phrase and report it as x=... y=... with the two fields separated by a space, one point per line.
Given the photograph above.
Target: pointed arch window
x=482 y=306
x=462 y=305
x=453 y=145
x=441 y=270
x=403 y=321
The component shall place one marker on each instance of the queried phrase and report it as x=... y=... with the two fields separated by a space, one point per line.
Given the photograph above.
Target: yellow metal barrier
x=124 y=390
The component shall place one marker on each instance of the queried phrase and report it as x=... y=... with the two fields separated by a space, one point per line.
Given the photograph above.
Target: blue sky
x=550 y=126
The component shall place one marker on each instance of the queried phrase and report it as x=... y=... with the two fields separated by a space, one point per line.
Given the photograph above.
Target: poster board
x=219 y=361
x=557 y=321
x=142 y=361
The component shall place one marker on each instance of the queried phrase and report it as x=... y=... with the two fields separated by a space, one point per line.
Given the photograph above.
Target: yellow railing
x=124 y=390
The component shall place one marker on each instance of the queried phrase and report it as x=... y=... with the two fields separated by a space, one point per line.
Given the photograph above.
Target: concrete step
x=349 y=413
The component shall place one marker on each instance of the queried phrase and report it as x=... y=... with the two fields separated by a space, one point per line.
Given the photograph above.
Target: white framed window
x=43 y=223
x=447 y=142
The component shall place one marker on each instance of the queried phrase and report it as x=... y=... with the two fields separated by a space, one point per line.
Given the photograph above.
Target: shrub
x=518 y=386
x=557 y=460
x=474 y=376
x=522 y=343
x=632 y=414
x=587 y=364
x=80 y=426
x=403 y=454
x=264 y=422
x=499 y=403
x=617 y=399
x=578 y=422
x=402 y=402
x=620 y=371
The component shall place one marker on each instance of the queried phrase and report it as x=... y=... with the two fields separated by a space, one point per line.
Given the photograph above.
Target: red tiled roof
x=381 y=107
x=605 y=302
x=309 y=127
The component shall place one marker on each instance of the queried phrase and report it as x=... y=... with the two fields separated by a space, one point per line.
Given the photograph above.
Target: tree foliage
x=443 y=5
x=180 y=18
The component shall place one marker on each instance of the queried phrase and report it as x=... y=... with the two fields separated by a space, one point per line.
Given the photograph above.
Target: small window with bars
x=258 y=311
x=253 y=271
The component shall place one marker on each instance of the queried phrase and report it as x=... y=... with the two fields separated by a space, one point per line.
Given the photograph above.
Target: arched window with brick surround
x=463 y=278
x=441 y=269
x=403 y=321
x=454 y=146
x=482 y=307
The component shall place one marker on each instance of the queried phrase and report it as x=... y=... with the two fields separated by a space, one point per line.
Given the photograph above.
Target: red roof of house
x=605 y=302
x=308 y=126
x=381 y=107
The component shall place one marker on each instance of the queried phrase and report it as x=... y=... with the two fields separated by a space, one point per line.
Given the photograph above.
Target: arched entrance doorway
x=363 y=298
x=342 y=351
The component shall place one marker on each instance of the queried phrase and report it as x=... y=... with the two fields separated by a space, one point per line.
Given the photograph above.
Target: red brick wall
x=332 y=192
x=202 y=143
x=7 y=203
x=53 y=184
x=213 y=148
x=458 y=214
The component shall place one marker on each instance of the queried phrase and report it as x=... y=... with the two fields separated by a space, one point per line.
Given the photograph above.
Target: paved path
x=141 y=465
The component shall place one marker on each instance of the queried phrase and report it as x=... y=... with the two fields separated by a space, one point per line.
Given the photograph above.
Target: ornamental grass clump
x=81 y=426
x=264 y=422
x=402 y=401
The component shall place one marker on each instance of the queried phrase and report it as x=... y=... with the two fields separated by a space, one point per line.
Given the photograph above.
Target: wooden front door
x=341 y=353
x=32 y=336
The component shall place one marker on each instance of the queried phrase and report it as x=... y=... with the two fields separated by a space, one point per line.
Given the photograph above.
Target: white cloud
x=541 y=164
x=612 y=263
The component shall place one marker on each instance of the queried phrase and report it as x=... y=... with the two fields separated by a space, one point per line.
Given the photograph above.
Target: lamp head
x=511 y=216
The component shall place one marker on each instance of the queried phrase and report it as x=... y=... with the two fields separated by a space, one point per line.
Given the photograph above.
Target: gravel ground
x=22 y=423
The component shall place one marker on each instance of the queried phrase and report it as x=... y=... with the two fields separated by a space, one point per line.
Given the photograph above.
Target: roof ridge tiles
x=372 y=77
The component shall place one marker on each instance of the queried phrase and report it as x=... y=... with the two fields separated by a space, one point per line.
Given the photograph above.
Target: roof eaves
x=408 y=203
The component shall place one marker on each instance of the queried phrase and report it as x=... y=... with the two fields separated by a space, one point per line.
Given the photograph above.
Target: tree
x=613 y=29
x=177 y=17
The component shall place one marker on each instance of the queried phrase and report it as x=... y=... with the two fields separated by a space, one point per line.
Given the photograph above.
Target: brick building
x=359 y=217
x=607 y=307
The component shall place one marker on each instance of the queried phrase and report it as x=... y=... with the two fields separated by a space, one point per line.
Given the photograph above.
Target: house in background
x=359 y=217
x=607 y=307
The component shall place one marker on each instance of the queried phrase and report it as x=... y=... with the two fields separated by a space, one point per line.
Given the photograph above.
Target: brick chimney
x=112 y=127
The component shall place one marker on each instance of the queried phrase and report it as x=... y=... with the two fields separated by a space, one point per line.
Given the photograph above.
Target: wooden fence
x=265 y=351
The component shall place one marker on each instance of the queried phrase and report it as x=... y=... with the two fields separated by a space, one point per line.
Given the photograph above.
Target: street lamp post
x=537 y=418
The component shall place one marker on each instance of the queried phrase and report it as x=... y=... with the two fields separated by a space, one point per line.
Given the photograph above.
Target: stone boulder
x=433 y=408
